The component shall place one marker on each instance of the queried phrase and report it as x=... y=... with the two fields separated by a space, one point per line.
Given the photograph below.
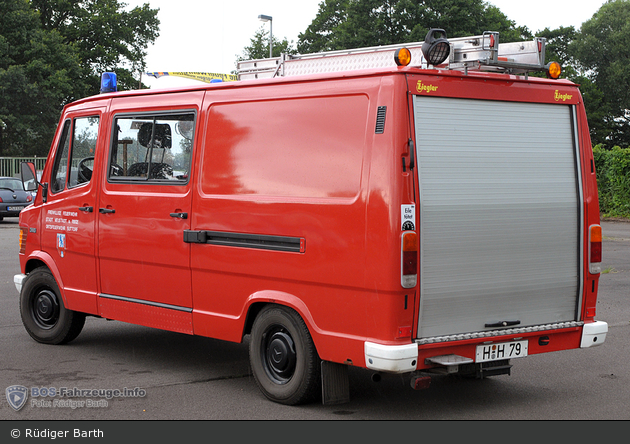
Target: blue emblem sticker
x=16 y=396
x=61 y=243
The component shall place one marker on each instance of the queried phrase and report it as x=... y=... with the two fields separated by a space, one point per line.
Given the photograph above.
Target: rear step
x=455 y=364
x=448 y=363
x=493 y=368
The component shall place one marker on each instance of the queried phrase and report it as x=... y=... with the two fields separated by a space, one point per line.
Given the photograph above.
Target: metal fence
x=10 y=166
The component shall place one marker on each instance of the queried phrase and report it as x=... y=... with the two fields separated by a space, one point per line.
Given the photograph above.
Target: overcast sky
x=208 y=35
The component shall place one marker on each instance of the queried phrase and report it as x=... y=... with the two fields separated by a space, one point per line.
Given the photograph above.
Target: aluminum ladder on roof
x=474 y=53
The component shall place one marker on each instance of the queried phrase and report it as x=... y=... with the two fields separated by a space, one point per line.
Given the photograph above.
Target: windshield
x=12 y=184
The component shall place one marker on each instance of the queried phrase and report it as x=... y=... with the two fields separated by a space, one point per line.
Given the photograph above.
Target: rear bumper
x=391 y=358
x=593 y=334
x=404 y=358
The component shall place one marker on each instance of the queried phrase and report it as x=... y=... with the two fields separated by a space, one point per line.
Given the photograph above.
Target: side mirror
x=28 y=173
x=29 y=176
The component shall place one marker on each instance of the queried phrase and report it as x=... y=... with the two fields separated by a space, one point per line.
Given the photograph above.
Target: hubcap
x=46 y=309
x=279 y=355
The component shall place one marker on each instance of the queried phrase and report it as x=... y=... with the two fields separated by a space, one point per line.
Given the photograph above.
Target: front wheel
x=43 y=313
x=283 y=357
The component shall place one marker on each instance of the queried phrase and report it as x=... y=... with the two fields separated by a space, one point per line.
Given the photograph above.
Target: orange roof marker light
x=402 y=57
x=554 y=70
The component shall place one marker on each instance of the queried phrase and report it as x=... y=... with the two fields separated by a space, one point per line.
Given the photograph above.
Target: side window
x=154 y=148
x=74 y=160
x=60 y=168
x=83 y=149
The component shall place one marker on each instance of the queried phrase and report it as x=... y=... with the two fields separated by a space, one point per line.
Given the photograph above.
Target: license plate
x=502 y=350
x=15 y=208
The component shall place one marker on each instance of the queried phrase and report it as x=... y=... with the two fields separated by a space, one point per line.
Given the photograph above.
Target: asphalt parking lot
x=196 y=378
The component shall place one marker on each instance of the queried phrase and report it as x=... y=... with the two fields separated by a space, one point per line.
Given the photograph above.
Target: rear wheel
x=43 y=313
x=283 y=357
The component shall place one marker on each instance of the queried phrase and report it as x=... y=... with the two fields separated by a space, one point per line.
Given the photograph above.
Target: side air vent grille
x=380 y=119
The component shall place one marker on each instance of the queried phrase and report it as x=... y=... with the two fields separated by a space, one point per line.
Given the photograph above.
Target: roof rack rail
x=473 y=53
x=485 y=53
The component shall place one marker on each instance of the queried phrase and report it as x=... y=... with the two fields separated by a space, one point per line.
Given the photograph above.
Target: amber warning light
x=554 y=70
x=402 y=57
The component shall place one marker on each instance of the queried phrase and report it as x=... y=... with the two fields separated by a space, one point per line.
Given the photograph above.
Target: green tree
x=258 y=47
x=560 y=48
x=106 y=35
x=558 y=41
x=343 y=24
x=39 y=73
x=53 y=52
x=602 y=49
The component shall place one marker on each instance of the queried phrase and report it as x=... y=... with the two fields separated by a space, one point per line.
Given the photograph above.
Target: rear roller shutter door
x=499 y=214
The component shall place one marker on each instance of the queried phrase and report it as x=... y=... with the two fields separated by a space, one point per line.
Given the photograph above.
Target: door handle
x=180 y=215
x=503 y=324
x=86 y=209
x=106 y=210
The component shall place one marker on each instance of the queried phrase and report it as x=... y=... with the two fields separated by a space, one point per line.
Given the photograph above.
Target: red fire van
x=377 y=209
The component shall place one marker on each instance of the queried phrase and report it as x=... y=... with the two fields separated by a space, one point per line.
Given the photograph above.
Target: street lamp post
x=267 y=18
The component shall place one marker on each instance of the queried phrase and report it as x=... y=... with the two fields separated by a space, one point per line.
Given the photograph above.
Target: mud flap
x=335 y=383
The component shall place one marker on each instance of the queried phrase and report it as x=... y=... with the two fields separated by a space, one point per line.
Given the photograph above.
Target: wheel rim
x=45 y=309
x=279 y=357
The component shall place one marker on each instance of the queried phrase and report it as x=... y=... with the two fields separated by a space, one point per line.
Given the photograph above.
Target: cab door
x=144 y=208
x=68 y=224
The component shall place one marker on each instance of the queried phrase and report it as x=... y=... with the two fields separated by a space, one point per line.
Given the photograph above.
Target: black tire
x=283 y=357
x=43 y=313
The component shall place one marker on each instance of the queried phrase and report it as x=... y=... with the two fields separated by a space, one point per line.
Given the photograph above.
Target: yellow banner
x=207 y=77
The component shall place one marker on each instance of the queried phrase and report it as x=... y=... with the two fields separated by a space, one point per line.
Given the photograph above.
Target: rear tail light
x=23 y=235
x=409 y=259
x=595 y=249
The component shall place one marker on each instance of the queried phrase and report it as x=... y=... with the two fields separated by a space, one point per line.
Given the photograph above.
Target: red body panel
x=147 y=315
x=61 y=216
x=246 y=184
x=141 y=250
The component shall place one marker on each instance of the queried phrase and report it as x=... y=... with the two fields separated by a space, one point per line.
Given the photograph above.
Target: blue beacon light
x=108 y=82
